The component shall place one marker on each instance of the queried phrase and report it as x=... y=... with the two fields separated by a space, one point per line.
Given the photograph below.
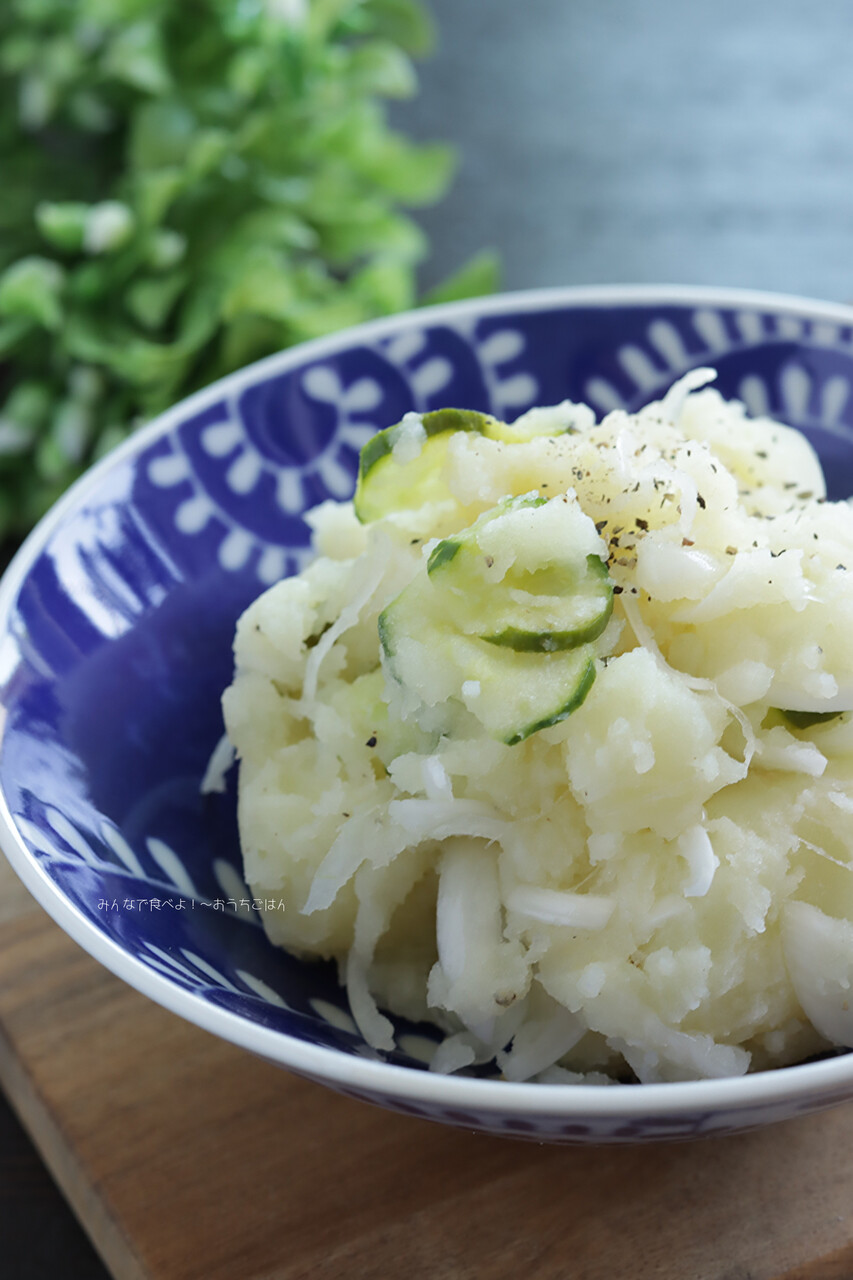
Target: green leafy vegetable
x=186 y=188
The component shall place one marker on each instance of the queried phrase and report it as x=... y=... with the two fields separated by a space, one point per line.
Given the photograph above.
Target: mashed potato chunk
x=557 y=753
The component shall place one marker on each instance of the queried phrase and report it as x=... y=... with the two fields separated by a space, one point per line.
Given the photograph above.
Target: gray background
x=667 y=141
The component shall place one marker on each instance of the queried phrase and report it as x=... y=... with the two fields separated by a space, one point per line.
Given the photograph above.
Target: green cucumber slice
x=805 y=719
x=467 y=540
x=562 y=615
x=385 y=485
x=512 y=694
x=547 y=598
x=511 y=433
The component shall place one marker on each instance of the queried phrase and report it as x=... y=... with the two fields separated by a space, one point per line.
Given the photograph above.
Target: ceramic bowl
x=116 y=623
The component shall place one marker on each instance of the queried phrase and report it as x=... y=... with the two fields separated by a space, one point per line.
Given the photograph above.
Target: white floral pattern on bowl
x=116 y=621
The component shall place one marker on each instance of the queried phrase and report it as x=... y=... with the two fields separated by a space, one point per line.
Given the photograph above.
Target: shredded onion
x=552 y=906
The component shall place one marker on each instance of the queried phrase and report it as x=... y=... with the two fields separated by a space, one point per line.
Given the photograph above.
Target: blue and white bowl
x=116 y=623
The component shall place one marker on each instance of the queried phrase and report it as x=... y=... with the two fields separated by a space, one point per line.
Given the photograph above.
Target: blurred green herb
x=187 y=187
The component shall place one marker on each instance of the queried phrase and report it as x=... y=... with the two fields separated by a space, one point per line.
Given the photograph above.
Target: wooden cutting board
x=187 y=1159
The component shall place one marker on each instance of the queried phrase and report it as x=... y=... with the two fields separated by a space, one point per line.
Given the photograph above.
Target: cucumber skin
x=443 y=554
x=504 y=433
x=554 y=641
x=436 y=422
x=581 y=684
x=385 y=630
x=547 y=641
x=397 y=619
x=805 y=719
x=579 y=693
x=534 y=641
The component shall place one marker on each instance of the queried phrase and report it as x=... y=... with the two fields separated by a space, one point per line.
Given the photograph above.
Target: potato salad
x=551 y=745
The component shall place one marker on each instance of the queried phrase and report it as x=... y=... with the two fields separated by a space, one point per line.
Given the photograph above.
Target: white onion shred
x=455 y=1052
x=371 y=835
x=377 y=1030
x=436 y=782
x=823 y=853
x=553 y=906
x=371 y=922
x=441 y=819
x=367 y=578
x=540 y=1042
x=673 y=402
x=695 y=847
x=469 y=933
x=819 y=954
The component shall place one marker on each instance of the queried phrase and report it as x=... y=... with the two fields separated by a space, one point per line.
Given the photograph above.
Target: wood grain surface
x=187 y=1159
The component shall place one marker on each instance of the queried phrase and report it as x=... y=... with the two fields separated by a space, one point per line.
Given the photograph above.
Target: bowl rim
x=821 y=1083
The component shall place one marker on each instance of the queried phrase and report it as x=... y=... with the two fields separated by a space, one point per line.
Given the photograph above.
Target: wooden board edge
x=111 y=1244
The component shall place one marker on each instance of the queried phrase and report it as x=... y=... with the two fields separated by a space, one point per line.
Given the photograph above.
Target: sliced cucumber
x=467 y=540
x=561 y=613
x=533 y=594
x=512 y=694
x=385 y=485
x=805 y=719
x=527 y=428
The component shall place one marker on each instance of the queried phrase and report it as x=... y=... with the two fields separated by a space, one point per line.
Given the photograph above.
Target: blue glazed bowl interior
x=119 y=614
